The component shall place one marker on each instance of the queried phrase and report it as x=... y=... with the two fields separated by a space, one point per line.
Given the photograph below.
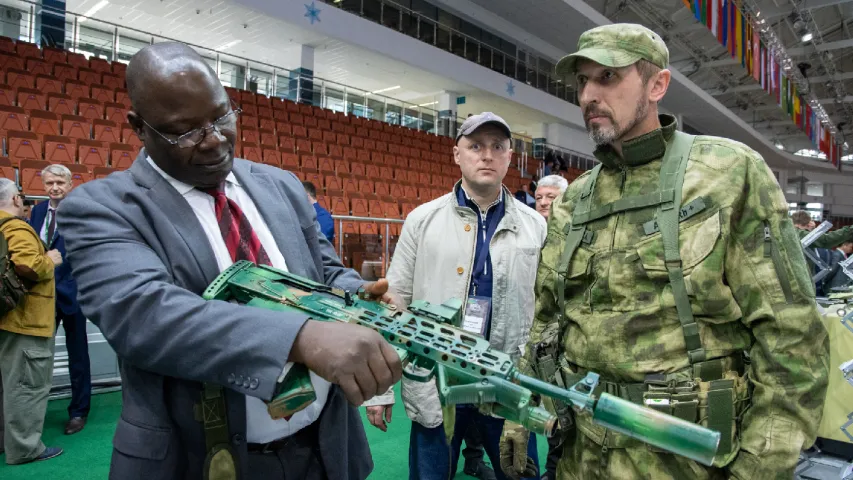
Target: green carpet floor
x=87 y=454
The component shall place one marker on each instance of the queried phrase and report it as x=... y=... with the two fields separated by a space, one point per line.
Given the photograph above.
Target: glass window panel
x=376 y=109
x=95 y=42
x=410 y=118
x=426 y=31
x=353 y=6
x=260 y=81
x=509 y=65
x=372 y=10
x=393 y=113
x=334 y=99
x=390 y=16
x=128 y=46
x=442 y=38
x=232 y=75
x=428 y=122
x=471 y=50
x=457 y=44
x=498 y=61
x=485 y=56
x=448 y=20
x=409 y=24
x=282 y=86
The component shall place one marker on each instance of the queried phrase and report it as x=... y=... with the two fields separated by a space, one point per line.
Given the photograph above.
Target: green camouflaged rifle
x=467 y=369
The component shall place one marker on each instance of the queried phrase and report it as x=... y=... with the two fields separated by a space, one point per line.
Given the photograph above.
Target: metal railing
x=520 y=65
x=385 y=239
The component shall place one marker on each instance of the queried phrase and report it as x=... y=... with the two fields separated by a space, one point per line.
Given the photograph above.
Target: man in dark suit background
x=146 y=242
x=324 y=218
x=57 y=184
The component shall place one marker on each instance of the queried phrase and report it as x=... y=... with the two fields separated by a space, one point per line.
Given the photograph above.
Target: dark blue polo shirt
x=481 y=274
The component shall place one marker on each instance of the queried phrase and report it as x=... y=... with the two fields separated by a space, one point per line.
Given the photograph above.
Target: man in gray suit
x=146 y=242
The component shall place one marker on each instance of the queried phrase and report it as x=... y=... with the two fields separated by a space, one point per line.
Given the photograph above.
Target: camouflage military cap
x=617 y=45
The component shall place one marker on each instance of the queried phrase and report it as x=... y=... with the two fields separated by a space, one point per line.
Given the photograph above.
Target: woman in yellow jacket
x=26 y=338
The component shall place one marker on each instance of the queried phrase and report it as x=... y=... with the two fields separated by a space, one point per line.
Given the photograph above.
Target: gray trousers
x=26 y=372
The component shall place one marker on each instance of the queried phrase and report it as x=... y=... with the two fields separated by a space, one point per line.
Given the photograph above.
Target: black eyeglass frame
x=185 y=140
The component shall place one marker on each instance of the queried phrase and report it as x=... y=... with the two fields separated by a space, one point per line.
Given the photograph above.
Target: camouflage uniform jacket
x=621 y=321
x=830 y=239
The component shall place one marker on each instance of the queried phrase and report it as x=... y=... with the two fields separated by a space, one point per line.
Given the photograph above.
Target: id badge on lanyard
x=477 y=312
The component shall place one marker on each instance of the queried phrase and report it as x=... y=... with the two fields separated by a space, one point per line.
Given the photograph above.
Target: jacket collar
x=640 y=150
x=510 y=220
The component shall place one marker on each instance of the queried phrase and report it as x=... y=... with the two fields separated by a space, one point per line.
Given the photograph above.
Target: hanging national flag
x=718 y=9
x=732 y=29
x=697 y=10
x=756 y=54
x=739 y=31
x=713 y=6
x=824 y=141
x=688 y=4
x=725 y=17
x=783 y=93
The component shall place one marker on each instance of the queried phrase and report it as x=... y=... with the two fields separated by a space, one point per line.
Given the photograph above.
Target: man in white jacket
x=477 y=243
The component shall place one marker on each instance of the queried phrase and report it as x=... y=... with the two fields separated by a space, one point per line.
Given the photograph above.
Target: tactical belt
x=677 y=394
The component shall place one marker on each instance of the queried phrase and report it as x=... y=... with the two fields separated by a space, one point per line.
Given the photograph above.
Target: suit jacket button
x=239 y=379
x=460 y=270
x=253 y=384
x=231 y=378
x=246 y=383
x=237 y=439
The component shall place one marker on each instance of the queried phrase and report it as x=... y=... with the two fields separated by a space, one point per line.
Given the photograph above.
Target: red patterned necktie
x=240 y=238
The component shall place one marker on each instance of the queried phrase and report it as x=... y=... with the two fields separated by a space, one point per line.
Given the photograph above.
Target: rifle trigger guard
x=420 y=362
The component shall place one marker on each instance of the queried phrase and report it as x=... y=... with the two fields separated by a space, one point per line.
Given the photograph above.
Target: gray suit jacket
x=141 y=261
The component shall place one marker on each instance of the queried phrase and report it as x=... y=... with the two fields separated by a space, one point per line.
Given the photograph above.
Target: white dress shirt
x=260 y=427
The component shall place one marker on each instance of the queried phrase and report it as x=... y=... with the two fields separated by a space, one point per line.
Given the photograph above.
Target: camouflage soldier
x=804 y=224
x=672 y=270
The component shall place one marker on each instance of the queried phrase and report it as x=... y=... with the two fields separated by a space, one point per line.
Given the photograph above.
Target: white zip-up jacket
x=433 y=262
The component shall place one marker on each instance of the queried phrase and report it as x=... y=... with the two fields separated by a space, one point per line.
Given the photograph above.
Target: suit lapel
x=276 y=212
x=179 y=213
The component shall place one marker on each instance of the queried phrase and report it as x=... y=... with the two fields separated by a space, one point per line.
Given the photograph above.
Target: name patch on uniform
x=687 y=211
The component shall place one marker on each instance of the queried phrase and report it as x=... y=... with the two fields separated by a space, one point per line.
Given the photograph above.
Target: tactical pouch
x=721 y=404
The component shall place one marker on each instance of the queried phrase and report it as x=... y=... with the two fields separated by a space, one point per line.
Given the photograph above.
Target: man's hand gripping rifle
x=467 y=369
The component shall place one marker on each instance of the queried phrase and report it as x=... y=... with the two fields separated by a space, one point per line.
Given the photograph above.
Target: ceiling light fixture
x=428 y=104
x=385 y=90
x=807 y=37
x=92 y=11
x=780 y=146
x=228 y=45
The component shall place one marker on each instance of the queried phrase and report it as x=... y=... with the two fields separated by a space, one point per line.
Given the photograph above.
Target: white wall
x=572 y=138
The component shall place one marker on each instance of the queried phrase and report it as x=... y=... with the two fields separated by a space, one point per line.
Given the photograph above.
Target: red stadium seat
x=121 y=156
x=30 y=176
x=106 y=131
x=92 y=153
x=23 y=146
x=75 y=126
x=44 y=123
x=13 y=118
x=58 y=149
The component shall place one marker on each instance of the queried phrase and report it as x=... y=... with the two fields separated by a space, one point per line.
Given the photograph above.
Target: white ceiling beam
x=776 y=12
x=742 y=88
x=823 y=47
x=824 y=78
x=847 y=99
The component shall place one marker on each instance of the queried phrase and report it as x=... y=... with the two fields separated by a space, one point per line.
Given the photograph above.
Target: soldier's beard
x=605 y=135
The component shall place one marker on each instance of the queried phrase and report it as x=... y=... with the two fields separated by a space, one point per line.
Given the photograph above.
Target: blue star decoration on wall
x=312 y=13
x=510 y=88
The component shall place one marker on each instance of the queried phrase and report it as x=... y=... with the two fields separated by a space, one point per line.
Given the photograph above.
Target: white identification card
x=477 y=315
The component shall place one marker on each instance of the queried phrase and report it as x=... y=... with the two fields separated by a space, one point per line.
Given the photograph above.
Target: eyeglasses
x=194 y=137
